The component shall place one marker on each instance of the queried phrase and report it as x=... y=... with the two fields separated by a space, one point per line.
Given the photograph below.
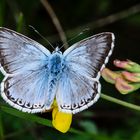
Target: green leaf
x=1 y=128
x=89 y=127
x=2 y=8
x=1 y=76
x=20 y=22
x=32 y=117
x=26 y=116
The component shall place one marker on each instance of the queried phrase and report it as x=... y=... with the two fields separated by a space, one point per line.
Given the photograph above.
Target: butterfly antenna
x=85 y=30
x=41 y=36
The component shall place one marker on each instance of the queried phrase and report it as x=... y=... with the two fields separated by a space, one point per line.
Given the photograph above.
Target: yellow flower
x=61 y=121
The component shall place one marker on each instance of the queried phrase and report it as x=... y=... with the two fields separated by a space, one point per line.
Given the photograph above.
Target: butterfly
x=34 y=77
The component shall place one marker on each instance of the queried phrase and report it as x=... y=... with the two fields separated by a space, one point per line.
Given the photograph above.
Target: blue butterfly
x=35 y=77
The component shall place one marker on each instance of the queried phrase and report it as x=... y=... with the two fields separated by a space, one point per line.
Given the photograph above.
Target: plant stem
x=113 y=18
x=120 y=102
x=56 y=22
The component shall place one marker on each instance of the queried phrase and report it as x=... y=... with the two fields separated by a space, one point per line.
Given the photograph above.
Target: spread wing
x=79 y=86
x=24 y=64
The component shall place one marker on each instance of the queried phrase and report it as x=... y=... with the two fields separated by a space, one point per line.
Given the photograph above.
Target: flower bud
x=127 y=65
x=132 y=77
x=109 y=75
x=124 y=87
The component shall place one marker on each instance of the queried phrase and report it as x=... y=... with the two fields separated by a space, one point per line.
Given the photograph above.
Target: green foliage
x=1 y=128
x=89 y=127
x=2 y=10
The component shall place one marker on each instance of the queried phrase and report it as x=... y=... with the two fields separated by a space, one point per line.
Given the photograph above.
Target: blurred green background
x=104 y=120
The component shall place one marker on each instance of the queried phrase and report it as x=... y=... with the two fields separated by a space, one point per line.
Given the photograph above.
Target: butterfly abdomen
x=55 y=71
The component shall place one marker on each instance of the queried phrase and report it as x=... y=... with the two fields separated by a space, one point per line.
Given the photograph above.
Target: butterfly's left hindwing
x=24 y=64
x=79 y=86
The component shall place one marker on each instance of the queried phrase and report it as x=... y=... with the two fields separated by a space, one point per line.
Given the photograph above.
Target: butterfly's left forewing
x=18 y=52
x=79 y=86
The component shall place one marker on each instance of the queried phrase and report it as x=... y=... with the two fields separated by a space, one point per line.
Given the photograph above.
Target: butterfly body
x=55 y=67
x=35 y=77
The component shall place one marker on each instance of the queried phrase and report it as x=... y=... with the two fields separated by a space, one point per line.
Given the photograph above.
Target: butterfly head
x=57 y=50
